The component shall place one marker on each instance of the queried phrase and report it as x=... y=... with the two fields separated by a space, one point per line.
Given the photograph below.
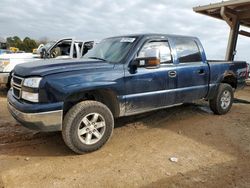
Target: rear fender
x=228 y=77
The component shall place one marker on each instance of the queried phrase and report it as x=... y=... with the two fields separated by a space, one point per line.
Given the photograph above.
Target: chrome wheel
x=91 y=129
x=225 y=99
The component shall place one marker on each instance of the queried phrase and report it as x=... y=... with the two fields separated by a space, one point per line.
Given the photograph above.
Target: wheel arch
x=105 y=96
x=230 y=78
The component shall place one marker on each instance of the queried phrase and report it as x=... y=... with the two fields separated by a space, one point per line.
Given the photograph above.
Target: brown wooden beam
x=244 y=15
x=232 y=41
x=218 y=5
x=244 y=33
x=231 y=12
x=232 y=20
x=228 y=17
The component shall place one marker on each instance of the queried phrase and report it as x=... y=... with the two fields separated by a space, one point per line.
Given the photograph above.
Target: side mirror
x=151 y=59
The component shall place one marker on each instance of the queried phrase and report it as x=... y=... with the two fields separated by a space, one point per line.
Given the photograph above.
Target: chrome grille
x=17 y=86
x=17 y=80
x=17 y=92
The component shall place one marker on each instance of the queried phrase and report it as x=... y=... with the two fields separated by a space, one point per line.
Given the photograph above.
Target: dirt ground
x=212 y=151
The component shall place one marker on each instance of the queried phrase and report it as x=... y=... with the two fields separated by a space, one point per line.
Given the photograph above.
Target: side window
x=187 y=51
x=162 y=46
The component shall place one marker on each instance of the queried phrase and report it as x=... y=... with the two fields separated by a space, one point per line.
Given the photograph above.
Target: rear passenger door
x=192 y=71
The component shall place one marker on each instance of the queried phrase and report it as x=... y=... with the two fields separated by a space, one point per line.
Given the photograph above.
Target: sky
x=98 y=19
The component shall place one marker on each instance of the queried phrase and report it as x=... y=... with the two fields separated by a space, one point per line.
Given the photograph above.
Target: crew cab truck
x=120 y=76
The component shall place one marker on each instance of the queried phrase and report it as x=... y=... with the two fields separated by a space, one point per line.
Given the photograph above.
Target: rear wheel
x=223 y=100
x=87 y=126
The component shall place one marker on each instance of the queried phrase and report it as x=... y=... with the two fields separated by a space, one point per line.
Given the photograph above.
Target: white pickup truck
x=66 y=48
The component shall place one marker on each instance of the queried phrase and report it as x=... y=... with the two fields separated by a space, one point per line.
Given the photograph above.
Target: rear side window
x=187 y=51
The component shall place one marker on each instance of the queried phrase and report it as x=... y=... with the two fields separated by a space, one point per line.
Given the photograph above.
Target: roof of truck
x=153 y=35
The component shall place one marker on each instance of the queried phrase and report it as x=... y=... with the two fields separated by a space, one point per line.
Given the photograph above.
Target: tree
x=26 y=45
x=29 y=44
x=17 y=42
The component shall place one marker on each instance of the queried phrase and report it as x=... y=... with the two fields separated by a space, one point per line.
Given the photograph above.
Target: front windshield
x=112 y=49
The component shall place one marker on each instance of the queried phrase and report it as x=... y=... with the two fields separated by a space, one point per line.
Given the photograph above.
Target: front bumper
x=45 y=121
x=4 y=78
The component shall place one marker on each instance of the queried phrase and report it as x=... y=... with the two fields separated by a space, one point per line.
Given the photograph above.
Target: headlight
x=32 y=97
x=32 y=82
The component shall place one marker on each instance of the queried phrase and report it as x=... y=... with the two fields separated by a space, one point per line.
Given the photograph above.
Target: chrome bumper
x=4 y=78
x=43 y=121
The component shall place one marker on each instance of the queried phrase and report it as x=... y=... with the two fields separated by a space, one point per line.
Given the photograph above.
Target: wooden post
x=232 y=20
x=232 y=41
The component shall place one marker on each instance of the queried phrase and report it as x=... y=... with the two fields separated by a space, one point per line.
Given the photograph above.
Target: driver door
x=147 y=87
x=58 y=51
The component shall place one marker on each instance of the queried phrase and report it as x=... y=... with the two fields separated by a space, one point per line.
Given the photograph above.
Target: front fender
x=57 y=92
x=80 y=88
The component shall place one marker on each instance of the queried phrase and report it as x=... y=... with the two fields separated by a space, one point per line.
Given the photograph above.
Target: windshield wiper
x=97 y=58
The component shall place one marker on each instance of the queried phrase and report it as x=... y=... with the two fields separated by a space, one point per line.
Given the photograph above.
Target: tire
x=81 y=121
x=8 y=85
x=223 y=100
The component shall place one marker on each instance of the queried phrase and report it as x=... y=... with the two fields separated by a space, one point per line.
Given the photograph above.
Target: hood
x=47 y=67
x=17 y=56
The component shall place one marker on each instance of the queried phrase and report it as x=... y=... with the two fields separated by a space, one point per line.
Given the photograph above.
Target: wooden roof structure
x=236 y=13
x=239 y=8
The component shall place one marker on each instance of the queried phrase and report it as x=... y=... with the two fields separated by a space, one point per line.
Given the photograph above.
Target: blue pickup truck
x=120 y=76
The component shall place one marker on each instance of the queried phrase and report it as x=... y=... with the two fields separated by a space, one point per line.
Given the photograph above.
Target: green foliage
x=26 y=44
x=29 y=44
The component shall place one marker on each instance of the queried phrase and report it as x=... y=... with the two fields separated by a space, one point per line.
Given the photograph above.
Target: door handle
x=201 y=71
x=172 y=74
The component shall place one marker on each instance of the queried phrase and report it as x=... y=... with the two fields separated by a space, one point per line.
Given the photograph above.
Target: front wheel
x=223 y=100
x=87 y=126
x=8 y=85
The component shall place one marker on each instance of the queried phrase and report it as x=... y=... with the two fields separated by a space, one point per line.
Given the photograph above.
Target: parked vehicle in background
x=3 y=51
x=37 y=50
x=120 y=76
x=66 y=48
x=14 y=49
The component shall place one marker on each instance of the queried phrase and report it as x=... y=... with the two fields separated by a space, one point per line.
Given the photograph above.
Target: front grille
x=17 y=80
x=17 y=86
x=17 y=92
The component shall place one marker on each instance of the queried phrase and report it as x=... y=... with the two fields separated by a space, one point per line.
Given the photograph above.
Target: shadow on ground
x=212 y=176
